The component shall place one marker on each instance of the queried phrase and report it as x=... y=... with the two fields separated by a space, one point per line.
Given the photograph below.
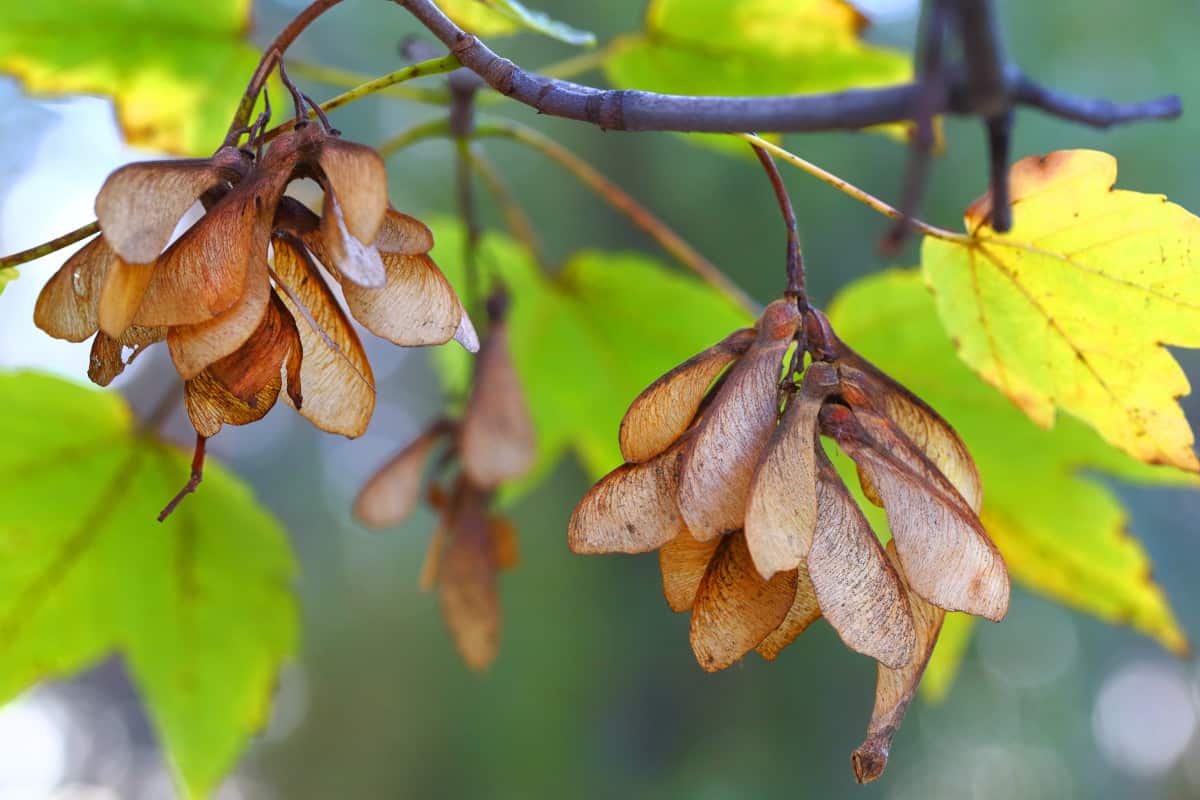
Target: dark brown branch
x=931 y=74
x=1094 y=112
x=850 y=110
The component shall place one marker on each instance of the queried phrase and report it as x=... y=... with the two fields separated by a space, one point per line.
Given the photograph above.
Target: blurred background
x=595 y=692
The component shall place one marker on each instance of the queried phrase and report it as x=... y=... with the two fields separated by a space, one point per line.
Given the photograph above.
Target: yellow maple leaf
x=1072 y=308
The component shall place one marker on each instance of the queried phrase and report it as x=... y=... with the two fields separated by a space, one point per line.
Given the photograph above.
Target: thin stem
x=430 y=129
x=348 y=79
x=46 y=248
x=851 y=190
x=515 y=217
x=468 y=213
x=193 y=481
x=620 y=200
x=795 y=261
x=435 y=66
x=271 y=55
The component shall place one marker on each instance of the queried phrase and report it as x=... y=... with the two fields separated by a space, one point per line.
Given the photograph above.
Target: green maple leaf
x=175 y=69
x=199 y=607
x=588 y=340
x=1061 y=531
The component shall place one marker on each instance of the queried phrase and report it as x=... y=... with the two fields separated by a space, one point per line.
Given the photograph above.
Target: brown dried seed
x=735 y=608
x=417 y=306
x=392 y=492
x=67 y=305
x=661 y=413
x=105 y=362
x=496 y=441
x=781 y=514
x=355 y=175
x=261 y=358
x=339 y=387
x=210 y=405
x=204 y=272
x=683 y=562
x=195 y=347
x=630 y=510
x=504 y=542
x=719 y=460
x=467 y=583
x=858 y=590
x=140 y=204
x=895 y=689
x=124 y=286
x=402 y=235
x=932 y=434
x=354 y=260
x=947 y=556
x=805 y=610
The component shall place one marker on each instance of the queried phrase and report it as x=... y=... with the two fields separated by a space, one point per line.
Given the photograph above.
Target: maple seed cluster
x=241 y=297
x=727 y=477
x=493 y=443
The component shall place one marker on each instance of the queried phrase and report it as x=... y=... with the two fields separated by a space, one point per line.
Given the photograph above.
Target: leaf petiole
x=849 y=189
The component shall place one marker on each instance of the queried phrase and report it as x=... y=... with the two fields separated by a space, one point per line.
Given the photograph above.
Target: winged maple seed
x=493 y=443
x=241 y=297
x=726 y=476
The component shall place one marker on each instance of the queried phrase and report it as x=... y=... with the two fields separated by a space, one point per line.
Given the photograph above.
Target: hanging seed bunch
x=727 y=477
x=494 y=442
x=242 y=297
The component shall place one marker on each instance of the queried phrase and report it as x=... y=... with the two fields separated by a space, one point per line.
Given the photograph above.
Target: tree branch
x=627 y=110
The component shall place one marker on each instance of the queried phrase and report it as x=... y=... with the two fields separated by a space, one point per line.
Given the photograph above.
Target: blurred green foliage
x=200 y=606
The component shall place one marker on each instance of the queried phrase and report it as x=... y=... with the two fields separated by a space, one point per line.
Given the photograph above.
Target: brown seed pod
x=895 y=688
x=735 y=609
x=781 y=515
x=660 y=414
x=719 y=459
x=496 y=440
x=630 y=510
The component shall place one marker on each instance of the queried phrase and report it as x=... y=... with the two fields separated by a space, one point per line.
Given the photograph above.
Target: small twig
x=193 y=481
x=462 y=124
x=515 y=217
x=273 y=53
x=1093 y=112
x=795 y=261
x=46 y=248
x=422 y=131
x=849 y=189
x=435 y=66
x=930 y=65
x=620 y=200
x=349 y=79
x=298 y=99
x=999 y=139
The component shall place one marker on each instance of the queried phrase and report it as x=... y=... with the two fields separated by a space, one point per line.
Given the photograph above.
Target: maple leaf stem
x=193 y=482
x=515 y=217
x=849 y=189
x=795 y=259
x=624 y=203
x=46 y=248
